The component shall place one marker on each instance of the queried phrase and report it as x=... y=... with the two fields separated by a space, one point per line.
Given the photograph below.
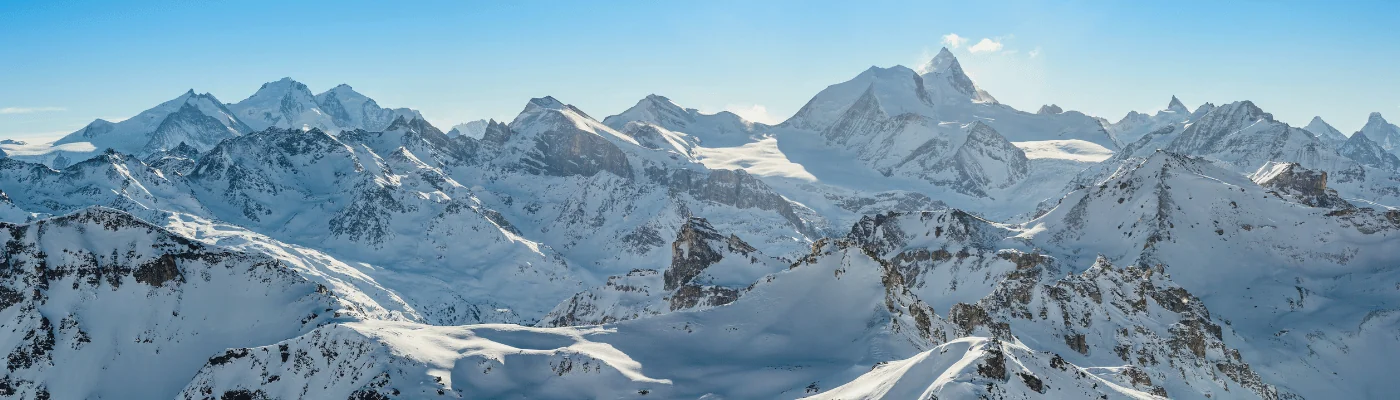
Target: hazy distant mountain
x=903 y=235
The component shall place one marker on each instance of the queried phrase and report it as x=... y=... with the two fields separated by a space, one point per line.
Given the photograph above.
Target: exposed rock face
x=1384 y=133
x=178 y=160
x=1299 y=184
x=971 y=159
x=351 y=110
x=1246 y=137
x=985 y=160
x=111 y=179
x=474 y=129
x=707 y=270
x=1176 y=106
x=647 y=135
x=984 y=368
x=943 y=257
x=691 y=252
x=1362 y=149
x=947 y=80
x=893 y=232
x=936 y=127
x=545 y=140
x=563 y=153
x=441 y=243
x=1172 y=339
x=363 y=361
x=873 y=315
x=61 y=161
x=731 y=187
x=496 y=132
x=1187 y=214
x=383 y=208
x=1050 y=109
x=241 y=171
x=198 y=120
x=637 y=294
x=1105 y=316
x=720 y=128
x=1325 y=131
x=414 y=138
x=1212 y=131
x=191 y=126
x=862 y=117
x=1133 y=315
x=1135 y=125
x=283 y=104
x=137 y=307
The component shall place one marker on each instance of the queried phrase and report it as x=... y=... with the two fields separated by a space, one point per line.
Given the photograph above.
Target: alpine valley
x=904 y=235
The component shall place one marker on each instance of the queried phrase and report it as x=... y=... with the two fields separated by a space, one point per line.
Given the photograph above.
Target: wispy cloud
x=1035 y=52
x=34 y=137
x=985 y=46
x=29 y=110
x=952 y=40
x=753 y=112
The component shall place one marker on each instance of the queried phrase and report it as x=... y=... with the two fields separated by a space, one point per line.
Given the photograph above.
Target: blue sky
x=62 y=64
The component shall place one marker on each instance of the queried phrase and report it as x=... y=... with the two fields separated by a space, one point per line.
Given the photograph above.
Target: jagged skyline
x=905 y=234
x=473 y=61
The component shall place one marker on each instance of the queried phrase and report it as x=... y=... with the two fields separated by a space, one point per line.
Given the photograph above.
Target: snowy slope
x=885 y=128
x=707 y=270
x=389 y=210
x=285 y=104
x=1325 y=131
x=197 y=120
x=609 y=202
x=134 y=309
x=721 y=129
x=351 y=110
x=348 y=205
x=760 y=346
x=1244 y=138
x=1363 y=150
x=474 y=129
x=946 y=80
x=112 y=180
x=942 y=94
x=1135 y=125
x=974 y=367
x=888 y=133
x=288 y=104
x=1254 y=255
x=202 y=121
x=1243 y=135
x=903 y=235
x=1382 y=132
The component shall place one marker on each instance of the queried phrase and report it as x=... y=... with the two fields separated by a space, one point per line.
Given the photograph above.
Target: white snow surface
x=37 y=149
x=903 y=235
x=474 y=129
x=1073 y=150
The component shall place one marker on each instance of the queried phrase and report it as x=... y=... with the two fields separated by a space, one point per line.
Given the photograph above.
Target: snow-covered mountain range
x=903 y=235
x=202 y=121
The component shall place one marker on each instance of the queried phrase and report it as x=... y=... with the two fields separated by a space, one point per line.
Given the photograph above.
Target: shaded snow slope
x=135 y=308
x=1258 y=256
